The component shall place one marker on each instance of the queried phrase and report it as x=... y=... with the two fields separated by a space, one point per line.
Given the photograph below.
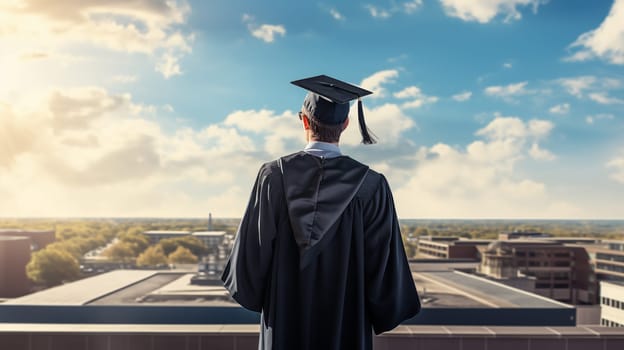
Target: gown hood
x=317 y=191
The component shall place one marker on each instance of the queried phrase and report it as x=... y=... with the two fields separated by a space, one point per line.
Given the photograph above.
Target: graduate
x=319 y=250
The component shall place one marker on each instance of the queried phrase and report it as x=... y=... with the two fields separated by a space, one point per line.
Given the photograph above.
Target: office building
x=608 y=260
x=39 y=239
x=612 y=304
x=14 y=256
x=155 y=236
x=449 y=247
x=211 y=238
x=548 y=268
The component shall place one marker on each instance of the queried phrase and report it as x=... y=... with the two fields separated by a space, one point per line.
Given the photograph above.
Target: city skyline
x=483 y=109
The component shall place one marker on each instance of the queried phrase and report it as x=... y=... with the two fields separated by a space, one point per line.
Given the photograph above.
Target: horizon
x=238 y=218
x=484 y=110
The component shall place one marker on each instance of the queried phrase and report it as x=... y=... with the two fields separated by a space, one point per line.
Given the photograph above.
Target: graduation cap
x=328 y=101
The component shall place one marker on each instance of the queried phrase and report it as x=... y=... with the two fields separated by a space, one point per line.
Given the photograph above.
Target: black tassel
x=367 y=139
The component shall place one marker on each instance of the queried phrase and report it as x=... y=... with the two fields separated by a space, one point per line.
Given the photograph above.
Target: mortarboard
x=328 y=101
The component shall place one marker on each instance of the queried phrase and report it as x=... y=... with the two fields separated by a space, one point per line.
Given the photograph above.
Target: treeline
x=60 y=262
x=490 y=229
x=133 y=247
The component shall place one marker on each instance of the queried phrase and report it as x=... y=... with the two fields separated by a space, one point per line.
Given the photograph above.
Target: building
x=39 y=239
x=156 y=310
x=15 y=248
x=449 y=247
x=608 y=260
x=155 y=236
x=211 y=238
x=612 y=304
x=548 y=268
x=14 y=256
x=521 y=235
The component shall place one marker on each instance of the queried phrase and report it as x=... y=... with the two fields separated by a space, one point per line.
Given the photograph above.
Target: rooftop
x=209 y=233
x=157 y=232
x=86 y=290
x=14 y=238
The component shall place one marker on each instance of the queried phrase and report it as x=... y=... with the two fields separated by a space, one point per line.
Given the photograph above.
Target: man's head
x=327 y=107
x=319 y=131
x=323 y=120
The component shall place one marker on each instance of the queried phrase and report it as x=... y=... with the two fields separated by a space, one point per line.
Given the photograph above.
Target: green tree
x=152 y=256
x=120 y=251
x=51 y=267
x=182 y=256
x=137 y=241
x=194 y=244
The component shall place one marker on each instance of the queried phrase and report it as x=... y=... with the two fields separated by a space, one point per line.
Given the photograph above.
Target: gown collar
x=322 y=149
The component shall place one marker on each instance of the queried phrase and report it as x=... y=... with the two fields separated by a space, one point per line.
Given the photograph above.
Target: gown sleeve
x=245 y=273
x=391 y=295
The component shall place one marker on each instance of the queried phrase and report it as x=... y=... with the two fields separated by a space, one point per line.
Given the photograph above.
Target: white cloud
x=604 y=99
x=576 y=86
x=591 y=119
x=417 y=97
x=268 y=32
x=508 y=128
x=124 y=79
x=336 y=15
x=616 y=165
x=89 y=143
x=563 y=108
x=264 y=32
x=142 y=26
x=480 y=180
x=507 y=65
x=540 y=154
x=376 y=12
x=407 y=7
x=606 y=41
x=169 y=66
x=483 y=11
x=387 y=122
x=374 y=82
x=507 y=91
x=462 y=96
x=412 y=6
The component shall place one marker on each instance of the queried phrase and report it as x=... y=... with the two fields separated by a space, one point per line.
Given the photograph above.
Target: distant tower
x=209 y=221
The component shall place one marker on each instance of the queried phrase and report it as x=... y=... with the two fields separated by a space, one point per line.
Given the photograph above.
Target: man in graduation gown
x=319 y=251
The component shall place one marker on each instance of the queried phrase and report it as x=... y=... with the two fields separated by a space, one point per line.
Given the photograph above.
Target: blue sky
x=484 y=109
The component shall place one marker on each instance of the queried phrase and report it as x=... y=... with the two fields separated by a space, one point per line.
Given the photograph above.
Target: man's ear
x=306 y=122
x=345 y=124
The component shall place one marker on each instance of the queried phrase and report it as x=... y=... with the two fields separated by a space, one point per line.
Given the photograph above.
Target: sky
x=153 y=108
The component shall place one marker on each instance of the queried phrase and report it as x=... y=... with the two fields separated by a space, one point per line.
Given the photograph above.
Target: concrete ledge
x=30 y=336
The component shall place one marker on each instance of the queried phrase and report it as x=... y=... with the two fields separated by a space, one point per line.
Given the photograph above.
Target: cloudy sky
x=483 y=108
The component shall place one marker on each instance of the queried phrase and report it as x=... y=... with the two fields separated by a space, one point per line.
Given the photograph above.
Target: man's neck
x=323 y=149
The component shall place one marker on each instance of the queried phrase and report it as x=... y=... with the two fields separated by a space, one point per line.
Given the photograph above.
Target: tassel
x=367 y=139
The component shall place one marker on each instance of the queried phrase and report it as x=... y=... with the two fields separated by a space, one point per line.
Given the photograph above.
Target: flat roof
x=156 y=232
x=14 y=238
x=19 y=230
x=615 y=283
x=83 y=291
x=437 y=284
x=489 y=292
x=209 y=233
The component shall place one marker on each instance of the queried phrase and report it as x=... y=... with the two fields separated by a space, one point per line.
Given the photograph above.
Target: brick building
x=14 y=256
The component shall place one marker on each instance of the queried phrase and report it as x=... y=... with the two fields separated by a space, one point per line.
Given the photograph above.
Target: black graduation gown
x=319 y=253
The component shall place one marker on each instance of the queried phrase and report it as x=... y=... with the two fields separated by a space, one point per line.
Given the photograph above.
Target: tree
x=152 y=256
x=137 y=241
x=51 y=267
x=194 y=244
x=182 y=256
x=120 y=251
